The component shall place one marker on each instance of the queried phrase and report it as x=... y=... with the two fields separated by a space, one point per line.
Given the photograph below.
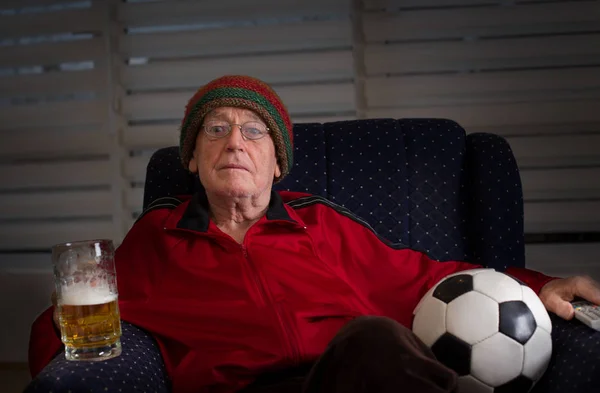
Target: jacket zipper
x=289 y=337
x=261 y=290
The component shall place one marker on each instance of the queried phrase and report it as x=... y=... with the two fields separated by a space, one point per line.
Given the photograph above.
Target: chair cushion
x=309 y=173
x=495 y=203
x=404 y=177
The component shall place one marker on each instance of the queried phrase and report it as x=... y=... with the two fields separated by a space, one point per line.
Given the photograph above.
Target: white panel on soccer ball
x=537 y=353
x=429 y=293
x=468 y=384
x=426 y=296
x=498 y=286
x=472 y=317
x=430 y=323
x=497 y=360
x=542 y=319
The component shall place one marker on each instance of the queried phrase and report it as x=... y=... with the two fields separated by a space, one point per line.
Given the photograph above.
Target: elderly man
x=238 y=280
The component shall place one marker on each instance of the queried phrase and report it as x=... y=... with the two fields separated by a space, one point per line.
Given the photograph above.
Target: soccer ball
x=489 y=328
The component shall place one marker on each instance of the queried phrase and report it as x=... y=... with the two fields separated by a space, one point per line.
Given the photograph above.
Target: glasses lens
x=254 y=130
x=217 y=129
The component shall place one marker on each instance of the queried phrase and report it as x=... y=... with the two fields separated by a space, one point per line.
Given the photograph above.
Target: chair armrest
x=139 y=368
x=575 y=363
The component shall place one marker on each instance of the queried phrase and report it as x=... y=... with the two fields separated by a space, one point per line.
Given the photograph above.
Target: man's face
x=234 y=166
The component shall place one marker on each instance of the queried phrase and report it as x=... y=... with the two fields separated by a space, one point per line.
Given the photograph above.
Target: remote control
x=588 y=313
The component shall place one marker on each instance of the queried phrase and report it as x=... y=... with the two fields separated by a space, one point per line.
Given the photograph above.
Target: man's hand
x=55 y=313
x=557 y=294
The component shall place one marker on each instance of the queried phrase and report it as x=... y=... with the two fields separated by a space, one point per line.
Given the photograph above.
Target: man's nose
x=235 y=139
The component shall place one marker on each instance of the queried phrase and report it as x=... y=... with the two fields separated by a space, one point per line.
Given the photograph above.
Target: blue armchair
x=421 y=182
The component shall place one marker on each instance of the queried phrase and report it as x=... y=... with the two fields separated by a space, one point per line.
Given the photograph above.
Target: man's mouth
x=234 y=166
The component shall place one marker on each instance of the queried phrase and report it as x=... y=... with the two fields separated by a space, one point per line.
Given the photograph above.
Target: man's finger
x=564 y=310
x=554 y=303
x=588 y=289
x=56 y=319
x=55 y=316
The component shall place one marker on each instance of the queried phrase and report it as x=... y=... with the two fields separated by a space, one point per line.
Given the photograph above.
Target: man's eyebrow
x=255 y=116
x=218 y=115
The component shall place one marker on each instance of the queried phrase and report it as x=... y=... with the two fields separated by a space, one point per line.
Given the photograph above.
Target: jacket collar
x=196 y=215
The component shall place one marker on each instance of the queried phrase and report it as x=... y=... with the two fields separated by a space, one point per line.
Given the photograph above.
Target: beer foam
x=83 y=295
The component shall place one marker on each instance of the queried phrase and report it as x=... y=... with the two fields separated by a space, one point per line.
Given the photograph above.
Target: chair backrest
x=420 y=182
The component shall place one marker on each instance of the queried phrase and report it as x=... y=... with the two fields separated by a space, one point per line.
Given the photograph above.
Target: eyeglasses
x=252 y=130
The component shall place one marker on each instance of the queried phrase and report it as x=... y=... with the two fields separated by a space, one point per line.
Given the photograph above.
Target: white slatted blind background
x=57 y=178
x=59 y=151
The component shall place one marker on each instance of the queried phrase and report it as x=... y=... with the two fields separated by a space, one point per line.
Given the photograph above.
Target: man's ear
x=193 y=165
x=277 y=170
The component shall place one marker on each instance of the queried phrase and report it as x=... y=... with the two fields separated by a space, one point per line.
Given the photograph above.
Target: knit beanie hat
x=241 y=92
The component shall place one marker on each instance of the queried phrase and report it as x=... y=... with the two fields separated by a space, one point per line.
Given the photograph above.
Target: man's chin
x=234 y=189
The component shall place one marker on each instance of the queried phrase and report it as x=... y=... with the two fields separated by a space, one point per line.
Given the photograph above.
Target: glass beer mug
x=87 y=299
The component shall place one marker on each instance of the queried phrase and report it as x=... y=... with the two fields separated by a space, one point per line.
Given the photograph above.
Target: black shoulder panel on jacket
x=161 y=203
x=314 y=199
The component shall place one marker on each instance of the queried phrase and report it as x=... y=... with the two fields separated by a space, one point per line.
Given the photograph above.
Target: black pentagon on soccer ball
x=520 y=384
x=453 y=287
x=453 y=353
x=517 y=321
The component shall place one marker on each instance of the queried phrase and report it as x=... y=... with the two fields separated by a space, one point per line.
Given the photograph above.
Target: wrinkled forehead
x=229 y=113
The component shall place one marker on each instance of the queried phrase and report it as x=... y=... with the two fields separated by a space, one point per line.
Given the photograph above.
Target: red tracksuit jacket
x=223 y=313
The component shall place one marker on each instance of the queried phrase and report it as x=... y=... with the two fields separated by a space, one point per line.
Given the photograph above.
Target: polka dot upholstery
x=166 y=176
x=405 y=178
x=495 y=203
x=436 y=180
x=369 y=176
x=139 y=368
x=575 y=363
x=309 y=173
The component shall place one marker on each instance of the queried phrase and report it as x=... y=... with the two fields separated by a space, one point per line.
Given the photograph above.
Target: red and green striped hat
x=242 y=92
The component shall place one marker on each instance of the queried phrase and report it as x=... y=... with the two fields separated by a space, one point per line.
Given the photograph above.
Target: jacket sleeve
x=393 y=278
x=44 y=342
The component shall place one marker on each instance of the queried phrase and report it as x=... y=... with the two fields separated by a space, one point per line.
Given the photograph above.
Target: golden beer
x=87 y=299
x=90 y=325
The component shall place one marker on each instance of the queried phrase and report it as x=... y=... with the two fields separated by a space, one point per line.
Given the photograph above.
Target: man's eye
x=218 y=129
x=253 y=131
